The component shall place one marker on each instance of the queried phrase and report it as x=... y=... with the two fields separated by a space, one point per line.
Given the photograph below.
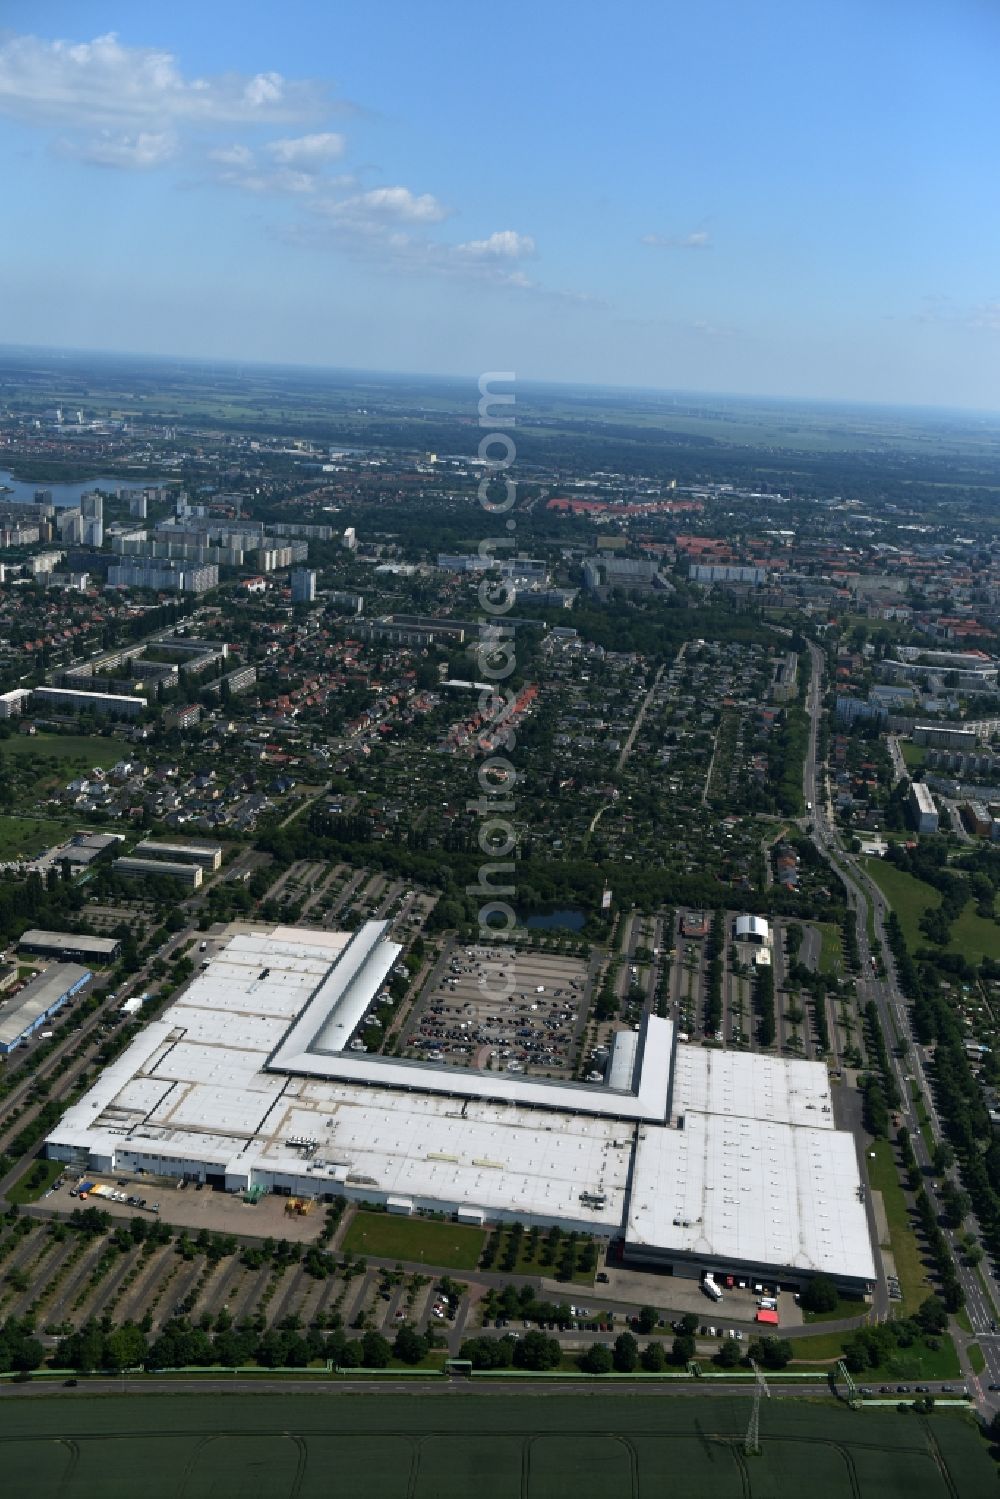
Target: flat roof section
x=739 y=1084
x=922 y=796
x=649 y=1101
x=749 y=1191
x=104 y=947
x=37 y=998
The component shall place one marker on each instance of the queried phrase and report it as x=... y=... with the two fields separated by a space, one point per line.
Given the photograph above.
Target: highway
x=909 y=1061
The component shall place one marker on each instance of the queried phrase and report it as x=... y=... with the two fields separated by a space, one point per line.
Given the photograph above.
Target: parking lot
x=188 y=1207
x=532 y=1026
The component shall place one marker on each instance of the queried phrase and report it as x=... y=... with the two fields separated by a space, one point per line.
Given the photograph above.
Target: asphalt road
x=894 y=1017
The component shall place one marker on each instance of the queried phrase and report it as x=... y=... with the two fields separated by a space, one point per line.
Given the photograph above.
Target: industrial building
x=208 y=855
x=255 y=1077
x=40 y=999
x=190 y=875
x=70 y=945
x=922 y=808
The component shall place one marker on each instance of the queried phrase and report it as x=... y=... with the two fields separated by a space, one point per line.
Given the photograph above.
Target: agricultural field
x=416 y=1240
x=543 y=1445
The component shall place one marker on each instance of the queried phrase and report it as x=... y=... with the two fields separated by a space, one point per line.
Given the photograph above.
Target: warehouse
x=207 y=855
x=190 y=875
x=253 y=1079
x=27 y=1011
x=71 y=945
x=748 y=1197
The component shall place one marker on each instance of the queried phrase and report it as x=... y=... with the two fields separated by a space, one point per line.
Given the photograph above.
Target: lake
x=68 y=494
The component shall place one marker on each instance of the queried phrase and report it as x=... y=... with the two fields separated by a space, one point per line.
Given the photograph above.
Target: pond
x=570 y=920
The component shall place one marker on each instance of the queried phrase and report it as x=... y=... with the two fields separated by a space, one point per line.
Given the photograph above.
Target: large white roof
x=243 y=1075
x=751 y=1192
x=738 y=1084
x=754 y=928
x=648 y=1102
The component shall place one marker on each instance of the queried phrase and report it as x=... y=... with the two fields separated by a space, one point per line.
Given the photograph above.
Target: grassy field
x=914 y=755
x=35 y=1182
x=883 y=1177
x=539 y=1445
x=418 y=1240
x=75 y=747
x=831 y=953
x=908 y=897
x=971 y=936
x=30 y=835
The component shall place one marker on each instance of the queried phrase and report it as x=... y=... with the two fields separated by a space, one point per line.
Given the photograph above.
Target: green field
x=425 y=1241
x=75 y=747
x=533 y=1264
x=831 y=953
x=884 y=1177
x=35 y=1182
x=501 y=1445
x=971 y=936
x=914 y=755
x=30 y=835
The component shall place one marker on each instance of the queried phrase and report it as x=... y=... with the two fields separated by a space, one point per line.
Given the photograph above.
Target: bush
x=820 y=1295
x=598 y=1359
x=626 y=1353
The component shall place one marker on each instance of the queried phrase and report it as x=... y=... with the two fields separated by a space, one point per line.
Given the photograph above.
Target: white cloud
x=232 y=156
x=504 y=244
x=379 y=206
x=386 y=227
x=699 y=239
x=104 y=82
x=139 y=152
x=308 y=152
x=286 y=171
x=986 y=315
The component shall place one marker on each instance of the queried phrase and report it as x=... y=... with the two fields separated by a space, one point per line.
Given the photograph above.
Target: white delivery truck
x=710 y=1286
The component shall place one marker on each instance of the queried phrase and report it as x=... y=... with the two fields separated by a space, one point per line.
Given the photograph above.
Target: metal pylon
x=853 y=1397
x=751 y=1444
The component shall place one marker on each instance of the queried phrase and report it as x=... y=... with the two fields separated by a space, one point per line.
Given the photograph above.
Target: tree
x=688 y=1325
x=942 y=1157
x=728 y=1355
x=626 y=1353
x=375 y=1351
x=598 y=1359
x=409 y=1345
x=932 y=1315
x=653 y=1358
x=124 y=1348
x=647 y=1319
x=536 y=1351
x=27 y=1353
x=683 y=1349
x=820 y=1295
x=771 y=1353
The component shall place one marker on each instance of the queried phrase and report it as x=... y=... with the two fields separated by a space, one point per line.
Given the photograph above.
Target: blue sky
x=778 y=198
